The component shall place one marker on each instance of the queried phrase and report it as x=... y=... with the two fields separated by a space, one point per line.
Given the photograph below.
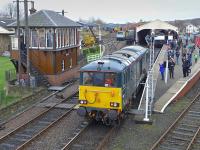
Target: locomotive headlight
x=114 y=104
x=82 y=101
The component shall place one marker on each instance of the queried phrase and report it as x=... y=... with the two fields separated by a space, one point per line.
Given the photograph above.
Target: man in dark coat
x=184 y=66
x=171 y=65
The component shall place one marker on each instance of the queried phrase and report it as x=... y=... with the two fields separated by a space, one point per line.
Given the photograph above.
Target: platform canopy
x=157 y=25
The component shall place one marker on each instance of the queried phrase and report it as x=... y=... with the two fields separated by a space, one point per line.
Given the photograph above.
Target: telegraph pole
x=27 y=38
x=19 y=48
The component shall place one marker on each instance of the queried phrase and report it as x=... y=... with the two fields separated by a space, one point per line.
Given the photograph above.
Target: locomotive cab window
x=99 y=79
x=87 y=78
x=110 y=79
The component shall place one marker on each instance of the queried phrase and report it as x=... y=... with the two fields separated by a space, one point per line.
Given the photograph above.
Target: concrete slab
x=65 y=106
x=56 y=88
x=136 y=112
x=46 y=104
x=62 y=105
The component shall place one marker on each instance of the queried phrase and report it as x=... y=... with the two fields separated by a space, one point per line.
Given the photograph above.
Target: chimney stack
x=63 y=12
x=32 y=10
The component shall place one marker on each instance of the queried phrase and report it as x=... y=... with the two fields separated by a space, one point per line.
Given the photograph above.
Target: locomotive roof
x=129 y=54
x=108 y=64
x=136 y=48
x=117 y=61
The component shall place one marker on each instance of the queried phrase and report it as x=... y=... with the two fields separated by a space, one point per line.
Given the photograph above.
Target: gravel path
x=132 y=136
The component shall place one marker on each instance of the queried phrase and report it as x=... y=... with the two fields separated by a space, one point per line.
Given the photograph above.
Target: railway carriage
x=108 y=85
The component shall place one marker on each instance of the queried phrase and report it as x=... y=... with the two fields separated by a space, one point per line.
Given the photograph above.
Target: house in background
x=5 y=39
x=190 y=28
x=53 y=47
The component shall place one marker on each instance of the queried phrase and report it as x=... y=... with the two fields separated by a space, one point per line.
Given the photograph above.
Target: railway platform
x=165 y=93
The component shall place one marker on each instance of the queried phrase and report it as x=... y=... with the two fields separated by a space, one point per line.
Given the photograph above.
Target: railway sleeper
x=12 y=143
x=19 y=139
x=163 y=147
x=23 y=135
x=187 y=129
x=194 y=112
x=190 y=121
x=189 y=125
x=169 y=141
x=193 y=115
x=6 y=146
x=44 y=122
x=179 y=138
x=183 y=133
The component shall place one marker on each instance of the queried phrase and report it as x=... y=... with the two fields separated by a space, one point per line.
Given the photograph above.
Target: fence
x=10 y=75
x=93 y=57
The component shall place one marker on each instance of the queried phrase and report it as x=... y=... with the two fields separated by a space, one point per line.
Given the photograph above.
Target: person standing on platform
x=184 y=66
x=195 y=58
x=188 y=64
x=162 y=70
x=171 y=65
x=177 y=56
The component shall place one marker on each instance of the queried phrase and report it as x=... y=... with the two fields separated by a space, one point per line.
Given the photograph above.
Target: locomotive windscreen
x=103 y=79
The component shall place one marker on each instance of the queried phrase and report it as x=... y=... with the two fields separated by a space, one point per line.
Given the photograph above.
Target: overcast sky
x=121 y=11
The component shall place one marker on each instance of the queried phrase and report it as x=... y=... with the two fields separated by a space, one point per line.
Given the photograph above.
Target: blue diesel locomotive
x=107 y=85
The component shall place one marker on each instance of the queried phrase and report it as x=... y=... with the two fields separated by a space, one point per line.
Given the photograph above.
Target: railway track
x=27 y=133
x=184 y=133
x=86 y=136
x=40 y=101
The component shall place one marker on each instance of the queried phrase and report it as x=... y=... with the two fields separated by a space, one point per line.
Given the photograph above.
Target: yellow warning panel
x=101 y=97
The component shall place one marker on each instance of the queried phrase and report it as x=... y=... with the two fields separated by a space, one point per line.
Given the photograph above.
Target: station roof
x=5 y=21
x=157 y=24
x=4 y=31
x=47 y=18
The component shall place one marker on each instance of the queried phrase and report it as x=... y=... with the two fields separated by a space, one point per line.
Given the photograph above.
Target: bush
x=92 y=50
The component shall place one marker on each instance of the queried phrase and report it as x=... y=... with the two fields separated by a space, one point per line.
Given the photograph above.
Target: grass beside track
x=13 y=96
x=5 y=64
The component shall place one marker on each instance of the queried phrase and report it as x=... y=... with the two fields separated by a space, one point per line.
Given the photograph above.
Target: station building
x=5 y=40
x=53 y=46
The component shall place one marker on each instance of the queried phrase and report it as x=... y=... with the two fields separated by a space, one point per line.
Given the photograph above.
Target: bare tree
x=10 y=11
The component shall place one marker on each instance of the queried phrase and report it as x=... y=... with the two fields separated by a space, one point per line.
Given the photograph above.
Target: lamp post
x=149 y=86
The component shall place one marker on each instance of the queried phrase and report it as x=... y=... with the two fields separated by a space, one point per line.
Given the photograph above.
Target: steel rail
x=79 y=133
x=44 y=130
x=156 y=144
x=193 y=139
x=105 y=139
x=3 y=138
x=42 y=100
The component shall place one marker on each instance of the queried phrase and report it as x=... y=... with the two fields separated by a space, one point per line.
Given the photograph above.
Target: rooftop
x=47 y=18
x=5 y=21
